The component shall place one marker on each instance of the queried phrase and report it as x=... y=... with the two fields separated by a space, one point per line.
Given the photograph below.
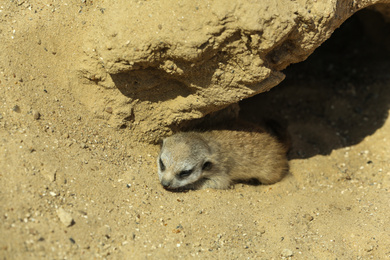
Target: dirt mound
x=159 y=67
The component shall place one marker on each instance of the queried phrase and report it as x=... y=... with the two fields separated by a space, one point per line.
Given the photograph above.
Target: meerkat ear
x=207 y=165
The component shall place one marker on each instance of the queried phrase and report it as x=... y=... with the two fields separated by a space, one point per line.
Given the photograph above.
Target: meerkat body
x=219 y=158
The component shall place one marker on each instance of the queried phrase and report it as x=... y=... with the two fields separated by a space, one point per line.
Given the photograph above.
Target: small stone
x=308 y=217
x=16 y=109
x=109 y=110
x=262 y=230
x=36 y=114
x=287 y=253
x=65 y=217
x=50 y=174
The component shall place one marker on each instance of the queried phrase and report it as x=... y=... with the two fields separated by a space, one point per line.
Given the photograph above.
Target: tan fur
x=219 y=158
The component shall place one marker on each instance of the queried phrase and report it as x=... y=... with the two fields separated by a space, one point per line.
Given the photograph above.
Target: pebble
x=308 y=217
x=109 y=110
x=262 y=230
x=16 y=109
x=65 y=217
x=287 y=253
x=36 y=114
x=50 y=174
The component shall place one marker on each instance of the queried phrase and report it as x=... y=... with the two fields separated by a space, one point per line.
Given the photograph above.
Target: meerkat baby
x=219 y=158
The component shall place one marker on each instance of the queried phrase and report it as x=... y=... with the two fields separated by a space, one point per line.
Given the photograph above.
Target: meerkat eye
x=185 y=173
x=162 y=166
x=207 y=166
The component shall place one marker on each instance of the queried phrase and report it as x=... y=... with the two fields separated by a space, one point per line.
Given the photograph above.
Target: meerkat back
x=253 y=155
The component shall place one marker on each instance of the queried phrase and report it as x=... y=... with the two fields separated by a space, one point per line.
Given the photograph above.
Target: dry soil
x=72 y=187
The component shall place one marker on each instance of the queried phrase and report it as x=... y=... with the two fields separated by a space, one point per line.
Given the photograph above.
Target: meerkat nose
x=165 y=183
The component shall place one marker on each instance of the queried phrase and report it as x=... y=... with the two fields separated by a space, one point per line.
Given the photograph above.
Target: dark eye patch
x=186 y=173
x=207 y=166
x=162 y=166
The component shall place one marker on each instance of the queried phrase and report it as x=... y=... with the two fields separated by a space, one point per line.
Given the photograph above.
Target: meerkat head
x=184 y=159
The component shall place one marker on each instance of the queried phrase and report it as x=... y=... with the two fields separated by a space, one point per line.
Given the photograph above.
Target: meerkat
x=218 y=159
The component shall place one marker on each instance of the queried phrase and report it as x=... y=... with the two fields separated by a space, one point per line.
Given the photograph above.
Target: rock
x=65 y=217
x=109 y=110
x=36 y=114
x=16 y=109
x=308 y=217
x=50 y=173
x=287 y=253
x=184 y=68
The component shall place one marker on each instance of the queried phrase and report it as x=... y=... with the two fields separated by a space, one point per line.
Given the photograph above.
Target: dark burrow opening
x=339 y=95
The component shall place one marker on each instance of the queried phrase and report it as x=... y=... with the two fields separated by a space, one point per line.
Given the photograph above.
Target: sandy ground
x=72 y=187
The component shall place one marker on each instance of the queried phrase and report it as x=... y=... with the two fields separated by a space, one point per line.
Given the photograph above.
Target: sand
x=74 y=187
